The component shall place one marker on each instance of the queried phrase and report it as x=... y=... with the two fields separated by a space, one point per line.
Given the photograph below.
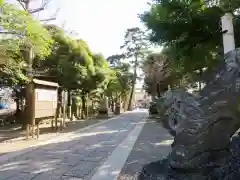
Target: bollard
x=27 y=131
x=38 y=131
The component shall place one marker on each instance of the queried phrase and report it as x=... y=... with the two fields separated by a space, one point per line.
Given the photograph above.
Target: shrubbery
x=153 y=109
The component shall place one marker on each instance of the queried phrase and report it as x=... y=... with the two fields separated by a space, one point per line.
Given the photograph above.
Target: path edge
x=111 y=168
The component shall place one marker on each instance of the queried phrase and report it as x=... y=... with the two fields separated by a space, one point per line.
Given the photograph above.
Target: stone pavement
x=13 y=133
x=20 y=143
x=80 y=156
x=154 y=143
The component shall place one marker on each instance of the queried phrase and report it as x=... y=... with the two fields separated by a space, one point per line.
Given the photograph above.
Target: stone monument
x=103 y=110
x=203 y=129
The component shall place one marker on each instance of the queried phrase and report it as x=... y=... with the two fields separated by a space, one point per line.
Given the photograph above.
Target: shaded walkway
x=154 y=143
x=76 y=157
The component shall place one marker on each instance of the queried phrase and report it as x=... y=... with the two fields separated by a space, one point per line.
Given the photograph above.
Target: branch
x=36 y=10
x=45 y=3
x=52 y=18
x=21 y=3
x=12 y=32
x=46 y=20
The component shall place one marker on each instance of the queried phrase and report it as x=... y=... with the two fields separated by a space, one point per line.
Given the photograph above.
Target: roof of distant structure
x=47 y=83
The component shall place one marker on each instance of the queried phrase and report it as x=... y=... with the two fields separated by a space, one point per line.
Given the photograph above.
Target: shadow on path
x=77 y=157
x=153 y=144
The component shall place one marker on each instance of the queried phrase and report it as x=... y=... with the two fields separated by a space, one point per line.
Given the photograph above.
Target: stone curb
x=112 y=167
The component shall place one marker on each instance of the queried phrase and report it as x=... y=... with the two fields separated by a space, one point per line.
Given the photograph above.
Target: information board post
x=44 y=105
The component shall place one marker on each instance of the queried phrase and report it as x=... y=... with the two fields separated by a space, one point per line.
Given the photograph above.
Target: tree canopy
x=20 y=28
x=19 y=32
x=191 y=30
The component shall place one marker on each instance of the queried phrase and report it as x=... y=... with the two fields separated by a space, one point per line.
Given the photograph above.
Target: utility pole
x=29 y=57
x=30 y=94
x=228 y=35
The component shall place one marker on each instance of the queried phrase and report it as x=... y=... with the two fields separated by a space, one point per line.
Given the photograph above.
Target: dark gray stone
x=204 y=125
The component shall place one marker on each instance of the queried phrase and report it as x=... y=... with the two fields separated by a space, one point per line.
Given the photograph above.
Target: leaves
x=120 y=81
x=74 y=65
x=135 y=43
x=190 y=29
x=21 y=29
x=19 y=32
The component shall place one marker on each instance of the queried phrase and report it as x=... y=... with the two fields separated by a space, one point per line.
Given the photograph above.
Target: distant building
x=141 y=97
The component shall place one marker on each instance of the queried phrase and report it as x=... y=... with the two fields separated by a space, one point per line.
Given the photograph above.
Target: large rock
x=205 y=124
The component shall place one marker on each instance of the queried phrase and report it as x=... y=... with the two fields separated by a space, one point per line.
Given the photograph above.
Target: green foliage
x=158 y=73
x=120 y=80
x=19 y=32
x=74 y=65
x=20 y=28
x=97 y=79
x=135 y=48
x=190 y=29
x=136 y=44
x=13 y=72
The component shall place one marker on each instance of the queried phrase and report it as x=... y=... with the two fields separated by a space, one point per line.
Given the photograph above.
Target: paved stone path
x=76 y=158
x=153 y=144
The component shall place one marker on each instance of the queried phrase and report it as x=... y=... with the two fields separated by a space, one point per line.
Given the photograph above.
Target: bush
x=153 y=109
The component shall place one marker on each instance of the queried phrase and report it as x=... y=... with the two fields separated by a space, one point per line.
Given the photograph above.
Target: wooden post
x=228 y=35
x=86 y=106
x=64 y=109
x=30 y=93
x=56 y=122
x=52 y=123
x=38 y=131
x=64 y=115
x=27 y=131
x=33 y=131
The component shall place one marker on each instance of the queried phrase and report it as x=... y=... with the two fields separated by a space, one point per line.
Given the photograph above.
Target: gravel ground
x=18 y=138
x=153 y=144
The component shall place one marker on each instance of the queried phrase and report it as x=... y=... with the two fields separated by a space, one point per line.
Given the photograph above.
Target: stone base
x=102 y=114
x=154 y=171
x=160 y=170
x=226 y=168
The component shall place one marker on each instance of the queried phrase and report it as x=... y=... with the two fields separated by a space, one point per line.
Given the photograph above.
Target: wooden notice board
x=46 y=97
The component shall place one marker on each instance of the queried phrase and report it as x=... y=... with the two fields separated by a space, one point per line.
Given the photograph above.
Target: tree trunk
x=86 y=107
x=93 y=109
x=112 y=104
x=200 y=82
x=59 y=103
x=77 y=112
x=83 y=107
x=158 y=90
x=131 y=98
x=69 y=104
x=133 y=84
x=124 y=103
x=74 y=108
x=64 y=114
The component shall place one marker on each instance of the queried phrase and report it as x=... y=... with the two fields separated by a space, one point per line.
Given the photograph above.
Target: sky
x=101 y=23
